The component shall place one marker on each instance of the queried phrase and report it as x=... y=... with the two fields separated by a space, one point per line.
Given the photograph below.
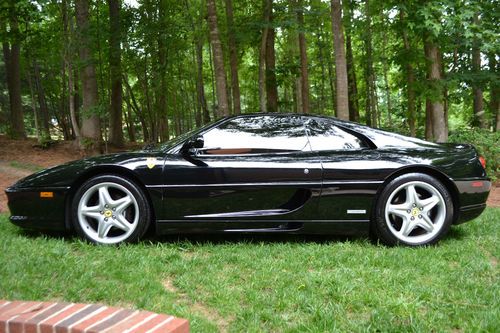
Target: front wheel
x=413 y=209
x=109 y=209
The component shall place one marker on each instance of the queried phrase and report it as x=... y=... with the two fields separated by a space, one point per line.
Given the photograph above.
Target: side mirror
x=196 y=142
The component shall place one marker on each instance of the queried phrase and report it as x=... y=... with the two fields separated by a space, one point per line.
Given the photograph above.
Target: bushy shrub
x=487 y=144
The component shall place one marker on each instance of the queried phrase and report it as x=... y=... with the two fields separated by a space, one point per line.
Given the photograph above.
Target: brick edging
x=52 y=317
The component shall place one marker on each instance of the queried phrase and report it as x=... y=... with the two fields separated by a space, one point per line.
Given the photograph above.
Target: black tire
x=121 y=216
x=414 y=210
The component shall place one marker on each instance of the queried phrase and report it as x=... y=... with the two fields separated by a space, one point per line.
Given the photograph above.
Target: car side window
x=256 y=135
x=324 y=135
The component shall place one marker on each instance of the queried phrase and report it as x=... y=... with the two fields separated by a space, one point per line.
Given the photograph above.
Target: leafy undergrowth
x=253 y=284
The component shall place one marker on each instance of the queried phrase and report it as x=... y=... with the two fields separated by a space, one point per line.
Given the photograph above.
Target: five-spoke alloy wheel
x=110 y=209
x=413 y=209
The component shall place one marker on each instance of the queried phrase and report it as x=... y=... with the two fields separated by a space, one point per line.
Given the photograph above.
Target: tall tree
x=340 y=61
x=271 y=84
x=435 y=94
x=115 y=115
x=494 y=90
x=68 y=51
x=477 y=92
x=91 y=125
x=12 y=54
x=233 y=58
x=370 y=87
x=218 y=57
x=44 y=110
x=410 y=76
x=304 y=71
x=264 y=40
x=351 y=70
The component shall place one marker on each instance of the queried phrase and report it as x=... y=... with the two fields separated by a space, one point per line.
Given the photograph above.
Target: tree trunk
x=220 y=72
x=138 y=112
x=477 y=92
x=68 y=34
x=351 y=70
x=44 y=110
x=233 y=58
x=91 y=125
x=161 y=88
x=432 y=53
x=410 y=80
x=371 y=107
x=267 y=4
x=386 y=77
x=200 y=86
x=428 y=120
x=494 y=91
x=33 y=106
x=340 y=61
x=115 y=115
x=304 y=72
x=12 y=54
x=271 y=85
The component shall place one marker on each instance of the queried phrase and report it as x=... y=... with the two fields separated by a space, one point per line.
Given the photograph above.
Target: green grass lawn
x=292 y=284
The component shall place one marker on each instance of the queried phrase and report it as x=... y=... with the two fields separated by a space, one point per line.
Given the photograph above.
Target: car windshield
x=179 y=139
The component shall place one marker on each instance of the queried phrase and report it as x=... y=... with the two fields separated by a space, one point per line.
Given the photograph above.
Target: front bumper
x=33 y=208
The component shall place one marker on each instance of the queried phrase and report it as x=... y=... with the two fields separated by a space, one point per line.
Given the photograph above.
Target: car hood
x=65 y=174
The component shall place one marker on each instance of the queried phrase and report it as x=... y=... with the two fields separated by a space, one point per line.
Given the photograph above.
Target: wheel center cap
x=108 y=213
x=415 y=212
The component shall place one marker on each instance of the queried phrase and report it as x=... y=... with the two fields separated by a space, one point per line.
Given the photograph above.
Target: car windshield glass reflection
x=256 y=135
x=324 y=135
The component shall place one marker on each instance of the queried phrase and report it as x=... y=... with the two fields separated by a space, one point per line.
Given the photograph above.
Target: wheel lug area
x=107 y=206
x=408 y=211
x=412 y=218
x=420 y=216
x=105 y=219
x=114 y=208
x=414 y=205
x=114 y=217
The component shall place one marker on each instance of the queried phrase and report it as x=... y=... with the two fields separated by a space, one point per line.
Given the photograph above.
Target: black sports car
x=263 y=173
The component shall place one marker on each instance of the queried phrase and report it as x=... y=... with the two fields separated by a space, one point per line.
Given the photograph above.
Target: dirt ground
x=18 y=159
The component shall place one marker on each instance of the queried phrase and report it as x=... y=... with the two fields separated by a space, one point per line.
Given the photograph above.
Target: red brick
x=132 y=321
x=115 y=319
x=81 y=315
x=16 y=323
x=150 y=324
x=13 y=310
x=174 y=326
x=47 y=325
x=94 y=319
x=49 y=310
x=48 y=317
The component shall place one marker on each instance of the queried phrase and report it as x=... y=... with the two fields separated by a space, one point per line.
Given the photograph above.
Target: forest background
x=105 y=73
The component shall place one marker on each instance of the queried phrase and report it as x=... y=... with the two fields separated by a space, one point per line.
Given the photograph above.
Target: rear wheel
x=110 y=209
x=413 y=209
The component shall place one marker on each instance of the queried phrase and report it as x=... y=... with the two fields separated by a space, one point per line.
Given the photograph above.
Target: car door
x=349 y=177
x=250 y=168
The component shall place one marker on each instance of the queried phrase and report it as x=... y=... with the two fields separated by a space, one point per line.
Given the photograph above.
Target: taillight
x=483 y=161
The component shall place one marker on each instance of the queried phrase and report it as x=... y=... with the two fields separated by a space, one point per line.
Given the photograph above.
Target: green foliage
x=271 y=283
x=487 y=144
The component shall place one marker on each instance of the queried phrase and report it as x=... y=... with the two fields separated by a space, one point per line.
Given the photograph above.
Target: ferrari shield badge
x=151 y=162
